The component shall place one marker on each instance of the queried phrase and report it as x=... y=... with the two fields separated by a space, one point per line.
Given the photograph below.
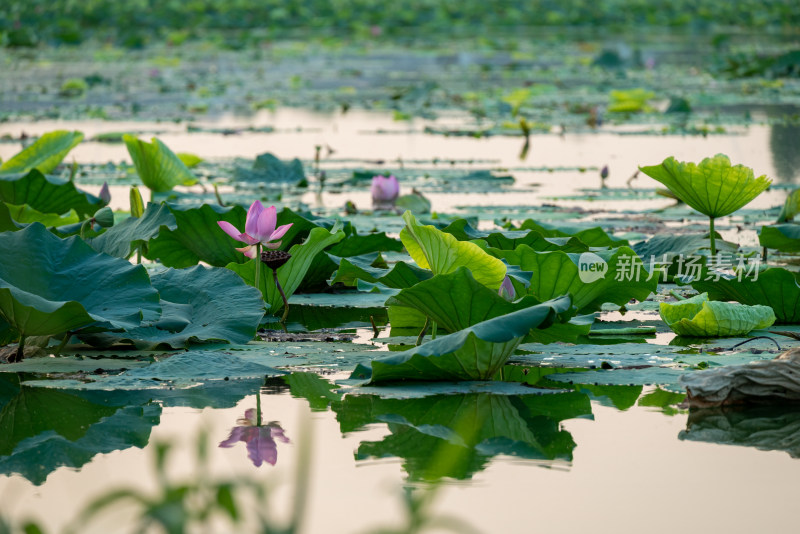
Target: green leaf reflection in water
x=44 y=429
x=456 y=435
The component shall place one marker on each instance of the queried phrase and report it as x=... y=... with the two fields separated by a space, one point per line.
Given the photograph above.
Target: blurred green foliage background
x=133 y=23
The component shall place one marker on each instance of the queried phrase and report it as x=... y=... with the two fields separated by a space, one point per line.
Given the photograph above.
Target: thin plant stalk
x=20 y=349
x=711 y=236
x=283 y=296
x=422 y=332
x=62 y=344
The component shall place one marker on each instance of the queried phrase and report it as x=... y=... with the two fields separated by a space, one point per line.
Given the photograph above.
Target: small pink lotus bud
x=507 y=289
x=105 y=194
x=384 y=192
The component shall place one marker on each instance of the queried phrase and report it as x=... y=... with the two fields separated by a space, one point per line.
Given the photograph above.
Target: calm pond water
x=601 y=464
x=631 y=471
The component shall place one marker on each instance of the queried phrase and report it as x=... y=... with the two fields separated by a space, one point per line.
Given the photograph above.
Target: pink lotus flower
x=384 y=192
x=259 y=228
x=260 y=439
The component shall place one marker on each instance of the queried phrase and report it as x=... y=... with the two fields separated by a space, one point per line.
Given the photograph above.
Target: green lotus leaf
x=158 y=167
x=44 y=154
x=122 y=239
x=558 y=273
x=442 y=253
x=356 y=268
x=511 y=239
x=268 y=168
x=190 y=160
x=783 y=237
x=700 y=317
x=791 y=207
x=199 y=304
x=353 y=244
x=198 y=237
x=474 y=353
x=50 y=286
x=775 y=287
x=290 y=275
x=456 y=301
x=47 y=194
x=714 y=187
x=7 y=222
x=592 y=236
x=24 y=215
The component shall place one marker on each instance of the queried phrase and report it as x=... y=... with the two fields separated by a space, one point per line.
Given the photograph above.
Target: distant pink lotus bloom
x=384 y=192
x=259 y=228
x=260 y=439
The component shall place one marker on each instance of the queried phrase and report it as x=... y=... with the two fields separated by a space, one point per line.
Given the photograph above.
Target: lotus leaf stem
x=219 y=197
x=711 y=236
x=757 y=337
x=375 y=330
x=283 y=296
x=422 y=332
x=62 y=344
x=20 y=350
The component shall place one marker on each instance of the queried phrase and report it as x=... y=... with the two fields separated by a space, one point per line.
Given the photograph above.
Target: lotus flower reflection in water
x=260 y=439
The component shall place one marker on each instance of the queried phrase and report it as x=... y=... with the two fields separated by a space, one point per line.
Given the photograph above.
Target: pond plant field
x=409 y=267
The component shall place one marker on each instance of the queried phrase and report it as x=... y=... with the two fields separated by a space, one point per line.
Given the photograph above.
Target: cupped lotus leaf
x=456 y=301
x=774 y=287
x=157 y=166
x=199 y=304
x=699 y=317
x=442 y=253
x=356 y=268
x=44 y=154
x=198 y=237
x=714 y=187
x=47 y=194
x=783 y=237
x=291 y=274
x=50 y=286
x=558 y=273
x=123 y=238
x=474 y=353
